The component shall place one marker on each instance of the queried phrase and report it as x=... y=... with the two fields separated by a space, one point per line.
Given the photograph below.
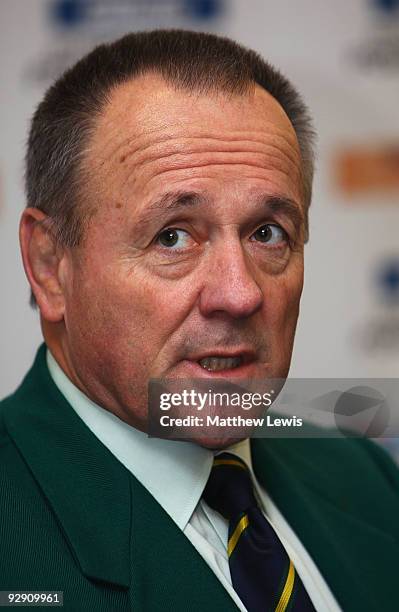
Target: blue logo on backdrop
x=203 y=9
x=71 y=14
x=387 y=6
x=378 y=334
x=388 y=278
x=379 y=48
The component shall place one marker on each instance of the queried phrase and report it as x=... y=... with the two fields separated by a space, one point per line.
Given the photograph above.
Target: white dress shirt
x=175 y=473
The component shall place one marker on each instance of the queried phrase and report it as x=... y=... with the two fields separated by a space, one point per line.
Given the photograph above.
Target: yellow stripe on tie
x=229 y=462
x=287 y=591
x=242 y=525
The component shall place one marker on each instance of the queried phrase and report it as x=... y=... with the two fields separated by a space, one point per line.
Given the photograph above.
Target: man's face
x=192 y=265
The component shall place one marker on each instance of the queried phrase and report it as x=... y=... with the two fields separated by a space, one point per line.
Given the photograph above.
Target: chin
x=217 y=443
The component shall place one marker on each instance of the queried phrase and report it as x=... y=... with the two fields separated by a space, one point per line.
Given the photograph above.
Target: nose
x=230 y=286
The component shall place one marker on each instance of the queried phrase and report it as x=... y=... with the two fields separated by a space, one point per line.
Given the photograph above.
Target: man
x=168 y=184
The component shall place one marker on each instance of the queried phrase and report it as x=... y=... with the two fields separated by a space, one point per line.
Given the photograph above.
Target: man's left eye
x=172 y=237
x=270 y=234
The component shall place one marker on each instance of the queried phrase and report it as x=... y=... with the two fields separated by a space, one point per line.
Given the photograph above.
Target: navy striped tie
x=262 y=573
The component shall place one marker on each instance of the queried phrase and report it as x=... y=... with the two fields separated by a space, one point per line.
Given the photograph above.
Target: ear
x=42 y=258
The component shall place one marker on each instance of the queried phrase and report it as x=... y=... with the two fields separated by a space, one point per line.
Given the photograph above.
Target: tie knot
x=229 y=489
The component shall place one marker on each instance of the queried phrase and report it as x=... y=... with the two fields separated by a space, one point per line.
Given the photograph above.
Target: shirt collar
x=174 y=472
x=242 y=450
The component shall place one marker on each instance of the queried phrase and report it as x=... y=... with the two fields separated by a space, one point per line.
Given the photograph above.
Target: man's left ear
x=42 y=257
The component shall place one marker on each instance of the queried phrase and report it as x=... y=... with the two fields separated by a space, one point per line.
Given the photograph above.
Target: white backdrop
x=343 y=56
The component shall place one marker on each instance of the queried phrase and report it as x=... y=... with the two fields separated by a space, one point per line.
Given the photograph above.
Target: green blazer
x=73 y=519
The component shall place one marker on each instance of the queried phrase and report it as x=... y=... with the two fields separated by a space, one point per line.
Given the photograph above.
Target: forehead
x=150 y=133
x=149 y=104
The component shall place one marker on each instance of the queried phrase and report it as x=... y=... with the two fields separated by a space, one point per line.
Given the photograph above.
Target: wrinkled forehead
x=152 y=137
x=147 y=109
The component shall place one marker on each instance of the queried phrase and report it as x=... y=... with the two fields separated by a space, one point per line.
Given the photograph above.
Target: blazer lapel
x=352 y=555
x=168 y=572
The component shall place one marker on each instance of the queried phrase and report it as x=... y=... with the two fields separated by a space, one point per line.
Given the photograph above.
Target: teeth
x=214 y=364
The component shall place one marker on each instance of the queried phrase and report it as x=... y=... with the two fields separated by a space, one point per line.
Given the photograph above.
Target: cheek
x=284 y=297
x=124 y=308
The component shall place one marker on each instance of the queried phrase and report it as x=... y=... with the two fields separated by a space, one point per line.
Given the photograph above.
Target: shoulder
x=12 y=466
x=334 y=458
x=19 y=492
x=343 y=457
x=17 y=484
x=6 y=444
x=356 y=471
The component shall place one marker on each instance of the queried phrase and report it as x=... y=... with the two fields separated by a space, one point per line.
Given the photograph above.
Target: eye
x=270 y=234
x=172 y=237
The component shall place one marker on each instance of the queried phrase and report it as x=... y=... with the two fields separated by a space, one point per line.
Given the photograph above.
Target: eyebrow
x=286 y=206
x=174 y=200
x=177 y=200
x=170 y=201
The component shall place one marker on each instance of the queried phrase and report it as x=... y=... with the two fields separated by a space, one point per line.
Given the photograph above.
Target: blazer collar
x=87 y=488
x=175 y=472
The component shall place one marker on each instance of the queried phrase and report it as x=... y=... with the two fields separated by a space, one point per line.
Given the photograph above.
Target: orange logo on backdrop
x=366 y=170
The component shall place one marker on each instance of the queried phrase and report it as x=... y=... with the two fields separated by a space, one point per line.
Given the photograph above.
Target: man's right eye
x=174 y=238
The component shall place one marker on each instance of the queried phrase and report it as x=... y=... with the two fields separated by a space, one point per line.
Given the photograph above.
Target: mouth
x=228 y=363
x=219 y=364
